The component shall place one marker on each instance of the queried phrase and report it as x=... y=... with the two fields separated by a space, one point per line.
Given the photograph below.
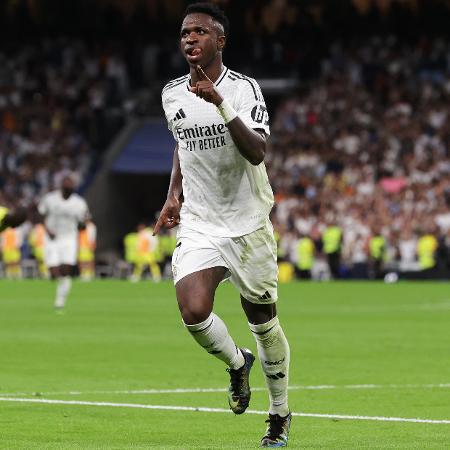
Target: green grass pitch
x=357 y=349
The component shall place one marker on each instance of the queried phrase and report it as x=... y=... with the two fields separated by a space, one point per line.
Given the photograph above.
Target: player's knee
x=194 y=313
x=258 y=313
x=195 y=302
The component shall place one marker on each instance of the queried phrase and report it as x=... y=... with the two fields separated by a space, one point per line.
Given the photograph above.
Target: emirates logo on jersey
x=204 y=137
x=201 y=131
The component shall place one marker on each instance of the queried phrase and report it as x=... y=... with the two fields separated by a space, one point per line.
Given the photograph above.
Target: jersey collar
x=218 y=81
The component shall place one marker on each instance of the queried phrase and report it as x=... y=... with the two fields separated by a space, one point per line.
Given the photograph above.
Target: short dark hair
x=211 y=10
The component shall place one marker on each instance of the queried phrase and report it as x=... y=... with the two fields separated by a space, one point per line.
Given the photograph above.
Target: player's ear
x=221 y=41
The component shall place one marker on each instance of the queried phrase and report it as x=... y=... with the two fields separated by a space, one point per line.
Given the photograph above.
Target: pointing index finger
x=157 y=226
x=201 y=74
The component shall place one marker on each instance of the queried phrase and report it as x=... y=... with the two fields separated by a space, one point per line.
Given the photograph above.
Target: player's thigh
x=198 y=268
x=195 y=293
x=252 y=260
x=194 y=252
x=51 y=254
x=66 y=270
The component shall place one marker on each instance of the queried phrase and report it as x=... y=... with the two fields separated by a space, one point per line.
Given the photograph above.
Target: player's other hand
x=51 y=235
x=169 y=216
x=205 y=89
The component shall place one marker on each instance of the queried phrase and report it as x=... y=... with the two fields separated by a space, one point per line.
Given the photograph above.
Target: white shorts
x=251 y=260
x=60 y=251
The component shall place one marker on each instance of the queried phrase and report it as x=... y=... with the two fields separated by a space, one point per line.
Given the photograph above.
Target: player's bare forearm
x=170 y=212
x=175 y=186
x=250 y=143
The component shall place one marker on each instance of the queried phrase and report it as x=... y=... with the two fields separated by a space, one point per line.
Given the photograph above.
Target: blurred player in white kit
x=63 y=213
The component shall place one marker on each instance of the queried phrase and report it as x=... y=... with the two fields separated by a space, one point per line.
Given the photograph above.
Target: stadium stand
x=363 y=143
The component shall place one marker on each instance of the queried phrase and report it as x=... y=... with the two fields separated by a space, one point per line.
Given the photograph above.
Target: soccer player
x=220 y=123
x=147 y=251
x=63 y=212
x=36 y=239
x=87 y=242
x=10 y=246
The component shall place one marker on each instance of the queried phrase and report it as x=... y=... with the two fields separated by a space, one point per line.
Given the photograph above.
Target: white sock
x=212 y=335
x=62 y=290
x=273 y=351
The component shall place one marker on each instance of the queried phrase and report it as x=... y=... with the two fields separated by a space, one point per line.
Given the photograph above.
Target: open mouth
x=193 y=53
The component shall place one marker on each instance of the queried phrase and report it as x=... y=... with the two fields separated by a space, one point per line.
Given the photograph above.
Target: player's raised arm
x=170 y=213
x=250 y=143
x=12 y=218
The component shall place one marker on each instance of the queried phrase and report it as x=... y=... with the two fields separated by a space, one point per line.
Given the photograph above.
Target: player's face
x=201 y=39
x=67 y=187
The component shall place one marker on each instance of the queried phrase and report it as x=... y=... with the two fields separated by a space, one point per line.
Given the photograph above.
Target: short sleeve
x=251 y=106
x=166 y=107
x=43 y=206
x=83 y=211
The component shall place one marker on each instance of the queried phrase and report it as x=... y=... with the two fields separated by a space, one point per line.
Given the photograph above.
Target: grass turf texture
x=118 y=336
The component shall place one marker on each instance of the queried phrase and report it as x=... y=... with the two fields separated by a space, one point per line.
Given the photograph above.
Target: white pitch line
x=254 y=389
x=219 y=410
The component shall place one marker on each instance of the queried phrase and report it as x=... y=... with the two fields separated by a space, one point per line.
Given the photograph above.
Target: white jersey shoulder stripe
x=174 y=83
x=175 y=80
x=252 y=82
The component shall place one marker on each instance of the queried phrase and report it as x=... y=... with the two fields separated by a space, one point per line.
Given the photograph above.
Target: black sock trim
x=203 y=329
x=264 y=332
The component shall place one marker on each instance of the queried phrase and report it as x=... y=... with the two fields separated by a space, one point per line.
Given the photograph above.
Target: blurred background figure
x=407 y=245
x=427 y=246
x=147 y=254
x=358 y=256
x=130 y=245
x=378 y=253
x=10 y=244
x=63 y=213
x=87 y=241
x=36 y=240
x=332 y=239
x=305 y=257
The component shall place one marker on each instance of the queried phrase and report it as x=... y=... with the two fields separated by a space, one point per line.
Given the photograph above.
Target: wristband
x=227 y=112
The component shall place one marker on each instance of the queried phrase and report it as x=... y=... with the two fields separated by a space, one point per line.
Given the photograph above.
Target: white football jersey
x=63 y=216
x=224 y=195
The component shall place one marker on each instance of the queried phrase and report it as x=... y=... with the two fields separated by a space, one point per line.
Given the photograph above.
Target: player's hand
x=51 y=235
x=205 y=89
x=169 y=216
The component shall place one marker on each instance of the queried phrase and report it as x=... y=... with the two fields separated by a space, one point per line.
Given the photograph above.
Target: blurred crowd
x=360 y=154
x=60 y=104
x=366 y=147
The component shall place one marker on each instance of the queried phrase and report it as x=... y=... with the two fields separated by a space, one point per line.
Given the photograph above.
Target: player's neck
x=213 y=71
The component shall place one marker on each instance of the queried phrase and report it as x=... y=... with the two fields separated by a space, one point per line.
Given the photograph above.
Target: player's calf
x=274 y=354
x=212 y=334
